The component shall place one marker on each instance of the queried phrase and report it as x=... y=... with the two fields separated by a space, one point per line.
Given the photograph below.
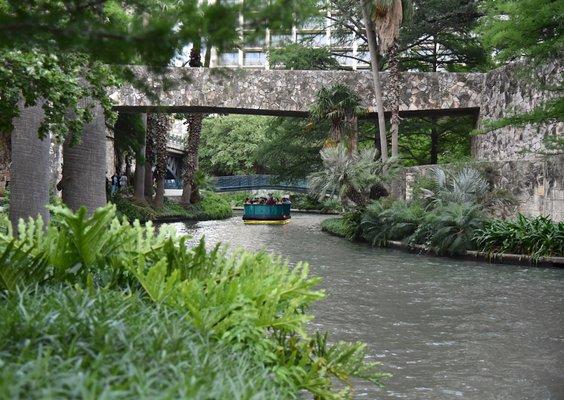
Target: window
x=254 y=58
x=280 y=39
x=314 y=24
x=313 y=39
x=231 y=58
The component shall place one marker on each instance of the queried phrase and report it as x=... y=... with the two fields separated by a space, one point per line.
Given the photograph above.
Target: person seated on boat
x=286 y=199
x=248 y=201
x=262 y=200
x=271 y=201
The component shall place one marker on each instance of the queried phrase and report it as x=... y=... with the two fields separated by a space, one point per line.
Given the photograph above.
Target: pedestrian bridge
x=292 y=93
x=256 y=182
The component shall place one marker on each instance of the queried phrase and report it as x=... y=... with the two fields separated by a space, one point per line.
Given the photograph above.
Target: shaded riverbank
x=445 y=328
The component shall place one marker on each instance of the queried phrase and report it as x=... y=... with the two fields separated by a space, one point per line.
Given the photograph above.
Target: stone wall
x=282 y=92
x=536 y=183
x=511 y=90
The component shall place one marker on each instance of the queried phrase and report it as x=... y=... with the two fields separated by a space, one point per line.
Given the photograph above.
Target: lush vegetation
x=131 y=305
x=109 y=344
x=211 y=206
x=451 y=212
x=536 y=236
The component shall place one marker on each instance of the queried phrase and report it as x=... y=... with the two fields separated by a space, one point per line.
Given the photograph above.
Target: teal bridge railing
x=256 y=182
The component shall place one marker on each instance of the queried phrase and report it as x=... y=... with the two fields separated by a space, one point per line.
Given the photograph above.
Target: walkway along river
x=445 y=329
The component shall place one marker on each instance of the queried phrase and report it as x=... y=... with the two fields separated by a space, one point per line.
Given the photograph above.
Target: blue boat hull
x=263 y=212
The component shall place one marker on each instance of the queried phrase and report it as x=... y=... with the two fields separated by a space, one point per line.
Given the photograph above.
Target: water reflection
x=446 y=329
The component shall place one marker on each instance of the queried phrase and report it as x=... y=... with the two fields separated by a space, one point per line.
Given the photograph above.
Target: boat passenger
x=270 y=200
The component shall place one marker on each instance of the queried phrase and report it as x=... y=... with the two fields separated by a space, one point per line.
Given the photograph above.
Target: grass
x=60 y=342
x=337 y=227
x=211 y=207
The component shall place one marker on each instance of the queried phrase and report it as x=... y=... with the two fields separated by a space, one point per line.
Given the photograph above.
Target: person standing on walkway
x=115 y=183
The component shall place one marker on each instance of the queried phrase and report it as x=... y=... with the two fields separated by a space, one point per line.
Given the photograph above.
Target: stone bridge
x=291 y=93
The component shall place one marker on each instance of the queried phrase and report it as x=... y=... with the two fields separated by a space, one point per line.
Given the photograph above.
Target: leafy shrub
x=347 y=226
x=5 y=225
x=537 y=237
x=212 y=206
x=384 y=221
x=132 y=211
x=60 y=342
x=466 y=185
x=336 y=226
x=236 y=199
x=454 y=228
x=250 y=303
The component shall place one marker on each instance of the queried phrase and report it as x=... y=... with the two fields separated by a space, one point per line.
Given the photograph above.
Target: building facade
x=350 y=52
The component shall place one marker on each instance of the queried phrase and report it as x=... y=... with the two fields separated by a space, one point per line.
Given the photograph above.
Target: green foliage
x=5 y=225
x=131 y=210
x=60 y=342
x=529 y=30
x=60 y=84
x=446 y=229
x=229 y=144
x=464 y=185
x=210 y=207
x=452 y=135
x=252 y=304
x=440 y=36
x=300 y=57
x=537 y=237
x=454 y=228
x=348 y=176
x=347 y=226
x=236 y=199
x=291 y=148
x=66 y=53
x=385 y=220
x=523 y=28
x=129 y=135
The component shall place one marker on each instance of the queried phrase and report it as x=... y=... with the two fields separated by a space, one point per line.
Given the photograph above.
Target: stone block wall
x=512 y=89
x=537 y=184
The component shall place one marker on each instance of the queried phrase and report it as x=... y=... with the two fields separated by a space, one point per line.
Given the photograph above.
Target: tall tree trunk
x=434 y=142
x=5 y=161
x=29 y=184
x=373 y=48
x=395 y=86
x=191 y=158
x=352 y=133
x=150 y=156
x=139 y=177
x=84 y=166
x=161 y=127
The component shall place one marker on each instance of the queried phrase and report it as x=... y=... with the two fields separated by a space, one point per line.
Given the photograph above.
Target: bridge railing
x=253 y=182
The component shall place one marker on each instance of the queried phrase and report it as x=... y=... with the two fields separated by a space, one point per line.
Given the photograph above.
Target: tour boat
x=276 y=214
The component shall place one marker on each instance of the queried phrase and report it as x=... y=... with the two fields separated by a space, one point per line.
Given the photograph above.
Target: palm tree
x=29 y=184
x=387 y=16
x=139 y=175
x=190 y=190
x=160 y=126
x=194 y=121
x=373 y=49
x=348 y=176
x=339 y=105
x=151 y=135
x=84 y=165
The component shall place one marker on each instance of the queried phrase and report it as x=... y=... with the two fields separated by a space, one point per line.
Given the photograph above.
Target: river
x=445 y=329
